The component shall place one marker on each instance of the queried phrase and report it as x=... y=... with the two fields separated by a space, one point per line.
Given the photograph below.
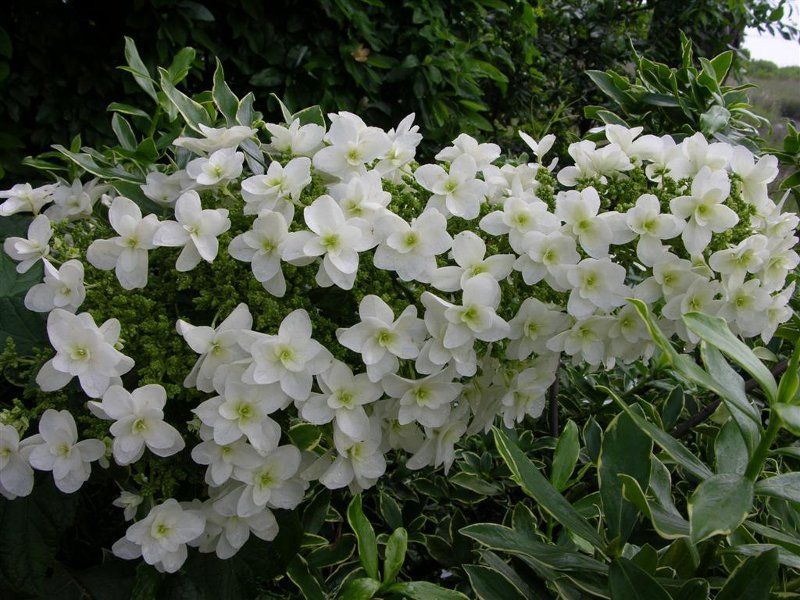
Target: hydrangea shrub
x=264 y=307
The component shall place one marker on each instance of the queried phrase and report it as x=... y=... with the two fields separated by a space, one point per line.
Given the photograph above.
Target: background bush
x=461 y=65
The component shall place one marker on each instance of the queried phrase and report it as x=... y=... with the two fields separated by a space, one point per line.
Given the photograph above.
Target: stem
x=760 y=455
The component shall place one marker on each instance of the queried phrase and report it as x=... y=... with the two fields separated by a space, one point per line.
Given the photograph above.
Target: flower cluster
x=503 y=268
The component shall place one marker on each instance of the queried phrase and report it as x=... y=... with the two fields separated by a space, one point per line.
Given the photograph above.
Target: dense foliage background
x=461 y=65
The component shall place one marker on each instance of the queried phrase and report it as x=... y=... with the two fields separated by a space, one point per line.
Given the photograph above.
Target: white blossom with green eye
x=27 y=251
x=138 y=422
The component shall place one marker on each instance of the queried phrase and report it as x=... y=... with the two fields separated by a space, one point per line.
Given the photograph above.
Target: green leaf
x=127 y=109
x=665 y=519
x=677 y=451
x=122 y=129
x=672 y=408
x=785 y=486
x=310 y=115
x=789 y=415
x=714 y=331
x=730 y=450
x=721 y=64
x=192 y=112
x=524 y=543
x=365 y=535
x=224 y=98
x=179 y=68
x=30 y=531
x=752 y=579
x=474 y=483
x=26 y=328
x=565 y=456
x=305 y=436
x=300 y=574
x=719 y=505
x=363 y=588
x=694 y=589
x=537 y=487
x=88 y=164
x=629 y=582
x=489 y=584
x=790 y=381
x=395 y=555
x=424 y=590
x=608 y=86
x=626 y=449
x=390 y=510
x=138 y=69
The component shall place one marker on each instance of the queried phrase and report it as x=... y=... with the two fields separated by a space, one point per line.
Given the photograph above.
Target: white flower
x=534 y=324
x=196 y=230
x=216 y=347
x=591 y=161
x=361 y=196
x=548 y=256
x=215 y=138
x=595 y=284
x=360 y=462
x=526 y=394
x=84 y=350
x=646 y=220
x=405 y=139
x=464 y=145
x=166 y=189
x=778 y=312
x=223 y=165
x=380 y=339
x=22 y=197
x=74 y=201
x=745 y=306
x=228 y=532
x=242 y=411
x=434 y=355
x=508 y=181
x=674 y=274
x=342 y=398
x=410 y=249
x=579 y=212
x=296 y=139
x=138 y=422
x=438 y=450
x=541 y=147
x=56 y=448
x=353 y=145
x=704 y=209
x=755 y=176
x=700 y=296
x=748 y=256
x=694 y=154
x=630 y=142
x=278 y=185
x=518 y=218
x=476 y=317
x=272 y=483
x=129 y=503
x=291 y=358
x=456 y=192
x=427 y=401
x=469 y=252
x=161 y=537
x=62 y=288
x=585 y=340
x=261 y=246
x=337 y=239
x=222 y=459
x=782 y=259
x=28 y=250
x=16 y=475
x=126 y=253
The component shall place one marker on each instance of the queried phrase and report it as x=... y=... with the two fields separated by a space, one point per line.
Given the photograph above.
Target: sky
x=766 y=47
